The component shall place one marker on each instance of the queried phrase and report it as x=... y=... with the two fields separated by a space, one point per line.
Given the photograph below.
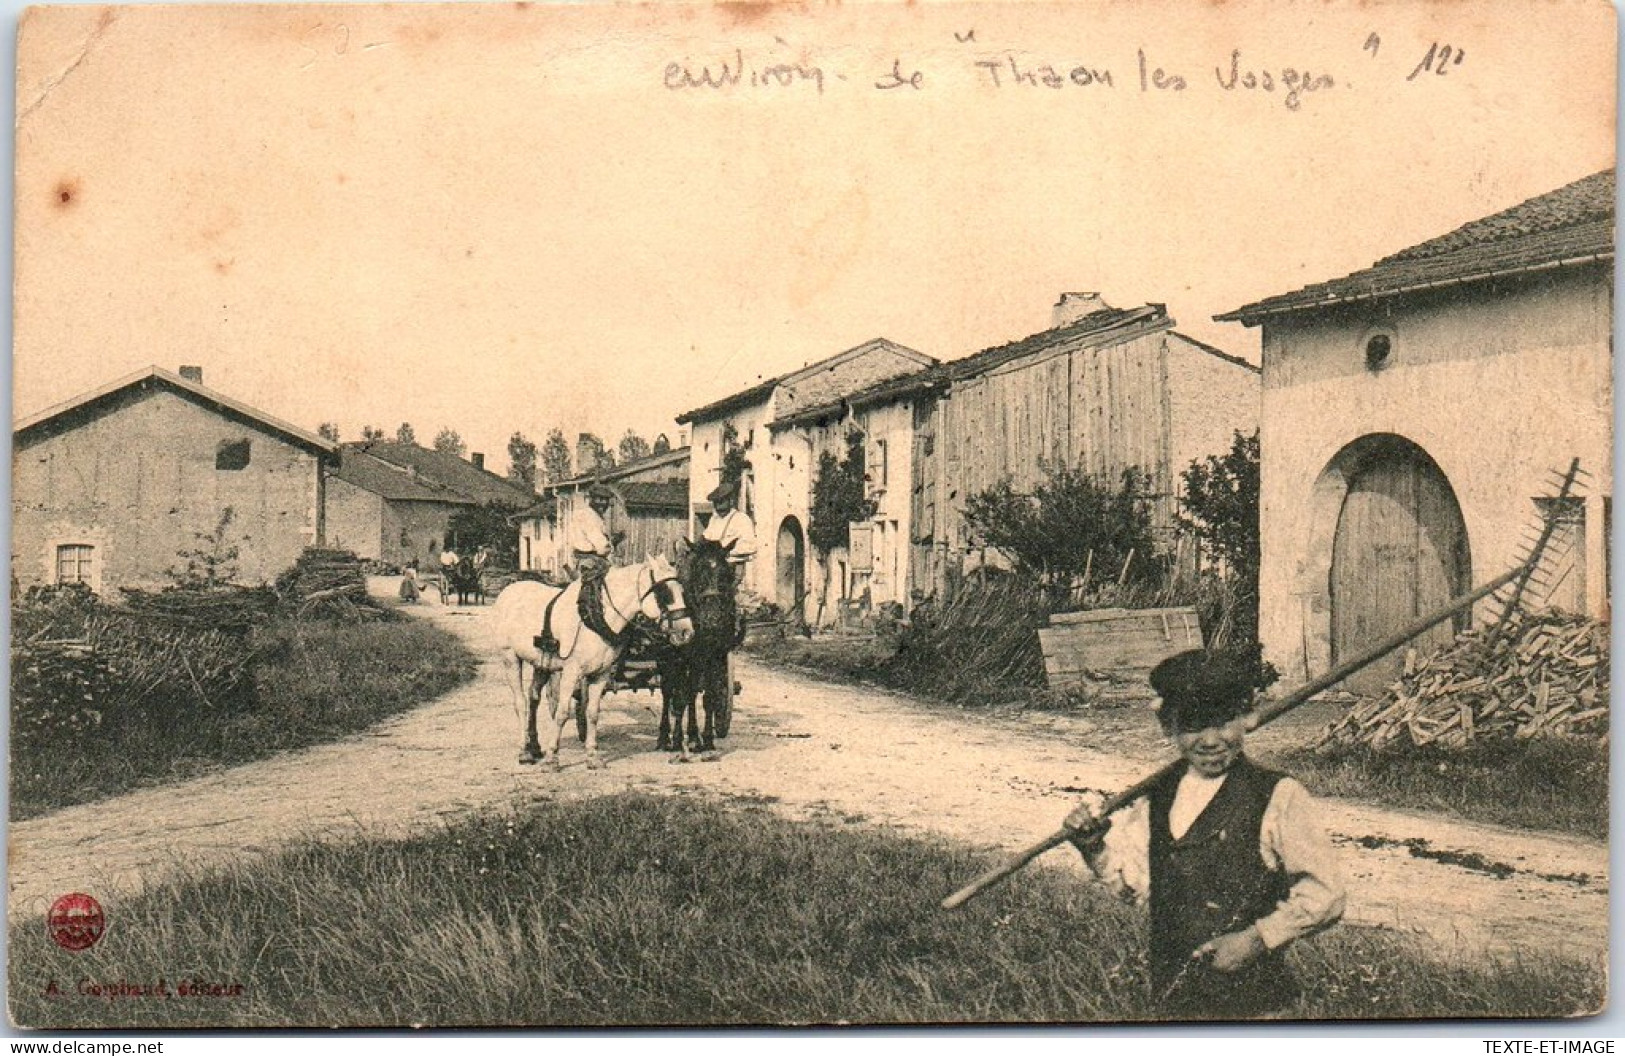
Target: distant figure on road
x=1237 y=860
x=448 y=567
x=410 y=591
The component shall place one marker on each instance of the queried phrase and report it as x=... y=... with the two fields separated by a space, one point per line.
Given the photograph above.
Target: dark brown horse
x=698 y=671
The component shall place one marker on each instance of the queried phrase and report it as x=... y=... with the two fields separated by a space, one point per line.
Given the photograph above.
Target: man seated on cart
x=732 y=527
x=729 y=525
x=589 y=537
x=591 y=545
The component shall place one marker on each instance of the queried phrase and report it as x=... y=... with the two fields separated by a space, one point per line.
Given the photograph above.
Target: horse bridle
x=667 y=616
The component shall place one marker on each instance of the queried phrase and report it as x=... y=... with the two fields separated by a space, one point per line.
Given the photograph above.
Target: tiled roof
x=453 y=474
x=1093 y=330
x=625 y=469
x=391 y=481
x=1096 y=328
x=894 y=388
x=1568 y=226
x=671 y=496
x=72 y=412
x=545 y=509
x=760 y=392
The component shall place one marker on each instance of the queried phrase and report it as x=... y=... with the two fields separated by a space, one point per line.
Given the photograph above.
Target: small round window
x=1377 y=350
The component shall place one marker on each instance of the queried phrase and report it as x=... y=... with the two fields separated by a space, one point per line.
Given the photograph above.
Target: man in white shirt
x=730 y=525
x=1232 y=857
x=588 y=536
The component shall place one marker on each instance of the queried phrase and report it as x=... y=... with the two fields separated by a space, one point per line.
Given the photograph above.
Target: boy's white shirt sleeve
x=1124 y=863
x=1293 y=841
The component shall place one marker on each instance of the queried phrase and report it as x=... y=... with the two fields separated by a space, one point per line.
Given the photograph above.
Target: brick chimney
x=478 y=458
x=586 y=455
x=1074 y=306
x=193 y=374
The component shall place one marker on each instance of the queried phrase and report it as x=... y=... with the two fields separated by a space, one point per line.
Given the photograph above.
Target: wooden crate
x=1123 y=643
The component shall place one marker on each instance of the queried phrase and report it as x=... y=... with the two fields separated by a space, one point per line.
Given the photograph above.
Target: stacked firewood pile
x=321 y=585
x=1546 y=675
x=327 y=585
x=78 y=667
x=225 y=608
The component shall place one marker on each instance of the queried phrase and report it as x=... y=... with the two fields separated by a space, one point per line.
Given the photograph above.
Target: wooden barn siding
x=1123 y=416
x=1103 y=410
x=649 y=532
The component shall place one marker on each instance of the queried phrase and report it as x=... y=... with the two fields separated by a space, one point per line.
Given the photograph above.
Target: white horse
x=650 y=589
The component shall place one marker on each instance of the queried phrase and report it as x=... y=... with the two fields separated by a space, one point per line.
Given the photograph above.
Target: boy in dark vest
x=1234 y=856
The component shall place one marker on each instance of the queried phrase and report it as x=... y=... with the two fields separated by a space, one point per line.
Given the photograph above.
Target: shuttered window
x=73 y=563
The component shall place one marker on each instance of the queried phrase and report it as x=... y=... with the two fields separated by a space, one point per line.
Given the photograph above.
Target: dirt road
x=858 y=755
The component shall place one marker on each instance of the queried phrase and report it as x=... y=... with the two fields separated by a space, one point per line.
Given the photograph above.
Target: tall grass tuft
x=307 y=682
x=637 y=910
x=1557 y=784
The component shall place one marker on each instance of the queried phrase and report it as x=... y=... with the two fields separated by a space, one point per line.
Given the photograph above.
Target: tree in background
x=1220 y=508
x=522 y=460
x=328 y=431
x=632 y=447
x=662 y=445
x=735 y=456
x=1070 y=524
x=369 y=433
x=555 y=458
x=405 y=434
x=839 y=497
x=447 y=442
x=472 y=527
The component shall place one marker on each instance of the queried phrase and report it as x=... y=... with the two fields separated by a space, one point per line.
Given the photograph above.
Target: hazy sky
x=520 y=216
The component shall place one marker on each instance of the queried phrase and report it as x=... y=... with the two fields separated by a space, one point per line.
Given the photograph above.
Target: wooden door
x=923 y=500
x=1400 y=552
x=792 y=565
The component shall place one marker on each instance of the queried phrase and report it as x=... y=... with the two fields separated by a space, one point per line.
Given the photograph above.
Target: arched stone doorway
x=791 y=570
x=1388 y=545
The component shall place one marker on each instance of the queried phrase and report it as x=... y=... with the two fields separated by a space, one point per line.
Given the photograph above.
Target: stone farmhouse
x=109 y=487
x=651 y=506
x=1103 y=389
x=1413 y=415
x=393 y=502
x=778 y=485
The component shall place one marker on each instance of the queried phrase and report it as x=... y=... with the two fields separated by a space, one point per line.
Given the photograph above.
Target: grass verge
x=1543 y=783
x=313 y=682
x=866 y=660
x=642 y=910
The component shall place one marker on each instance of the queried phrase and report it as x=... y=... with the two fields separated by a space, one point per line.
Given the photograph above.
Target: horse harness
x=590 y=604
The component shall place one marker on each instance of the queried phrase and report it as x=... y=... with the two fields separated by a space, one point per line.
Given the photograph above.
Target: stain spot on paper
x=744 y=12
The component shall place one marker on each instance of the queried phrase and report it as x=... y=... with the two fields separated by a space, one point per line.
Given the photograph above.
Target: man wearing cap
x=589 y=538
x=730 y=526
x=1233 y=856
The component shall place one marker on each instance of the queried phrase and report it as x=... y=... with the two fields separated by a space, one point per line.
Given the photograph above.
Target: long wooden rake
x=1271 y=710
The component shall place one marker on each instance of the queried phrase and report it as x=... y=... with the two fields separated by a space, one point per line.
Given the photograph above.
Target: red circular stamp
x=76 y=922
